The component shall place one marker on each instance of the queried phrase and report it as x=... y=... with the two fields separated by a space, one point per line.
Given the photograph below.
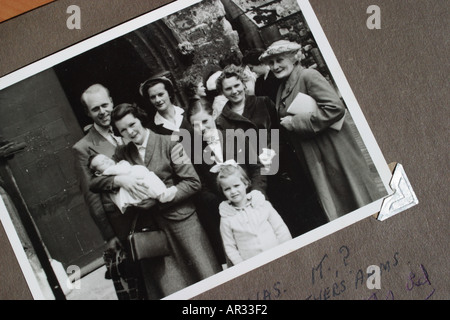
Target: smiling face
x=99 y=107
x=282 y=65
x=159 y=97
x=233 y=89
x=234 y=189
x=131 y=129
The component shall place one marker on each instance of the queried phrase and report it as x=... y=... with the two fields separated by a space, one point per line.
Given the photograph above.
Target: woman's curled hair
x=123 y=109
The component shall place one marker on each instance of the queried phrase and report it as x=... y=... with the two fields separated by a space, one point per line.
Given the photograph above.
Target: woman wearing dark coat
x=244 y=111
x=192 y=258
x=331 y=158
x=258 y=113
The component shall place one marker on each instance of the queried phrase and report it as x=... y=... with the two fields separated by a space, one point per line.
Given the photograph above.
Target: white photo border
x=267 y=256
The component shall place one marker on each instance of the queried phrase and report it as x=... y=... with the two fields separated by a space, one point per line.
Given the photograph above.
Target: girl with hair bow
x=215 y=150
x=249 y=224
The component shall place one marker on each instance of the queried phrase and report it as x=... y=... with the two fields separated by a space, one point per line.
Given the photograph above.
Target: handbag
x=147 y=243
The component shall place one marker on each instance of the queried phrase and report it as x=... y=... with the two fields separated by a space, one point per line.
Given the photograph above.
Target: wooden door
x=37 y=112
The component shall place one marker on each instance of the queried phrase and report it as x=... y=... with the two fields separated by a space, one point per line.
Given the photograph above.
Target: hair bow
x=219 y=166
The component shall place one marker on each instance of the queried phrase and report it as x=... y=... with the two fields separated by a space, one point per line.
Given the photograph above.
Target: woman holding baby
x=191 y=258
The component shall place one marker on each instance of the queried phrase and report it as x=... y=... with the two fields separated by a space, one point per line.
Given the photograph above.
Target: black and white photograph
x=188 y=146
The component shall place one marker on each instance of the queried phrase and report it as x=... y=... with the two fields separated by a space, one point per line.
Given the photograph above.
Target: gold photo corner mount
x=403 y=197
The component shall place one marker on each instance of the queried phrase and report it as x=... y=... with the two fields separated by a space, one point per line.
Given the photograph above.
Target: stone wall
x=203 y=32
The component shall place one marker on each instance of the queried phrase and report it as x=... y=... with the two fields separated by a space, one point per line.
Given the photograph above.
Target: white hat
x=211 y=82
x=279 y=47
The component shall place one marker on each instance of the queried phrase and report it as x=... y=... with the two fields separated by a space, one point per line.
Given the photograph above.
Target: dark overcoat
x=259 y=114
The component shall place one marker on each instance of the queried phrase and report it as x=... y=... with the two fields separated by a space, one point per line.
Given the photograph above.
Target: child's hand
x=168 y=195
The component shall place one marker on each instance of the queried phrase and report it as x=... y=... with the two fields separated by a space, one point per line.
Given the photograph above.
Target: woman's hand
x=135 y=186
x=168 y=195
x=287 y=123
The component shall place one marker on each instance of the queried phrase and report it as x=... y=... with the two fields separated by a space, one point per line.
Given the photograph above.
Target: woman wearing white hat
x=320 y=138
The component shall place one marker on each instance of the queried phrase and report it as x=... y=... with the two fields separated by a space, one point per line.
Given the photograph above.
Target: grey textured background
x=399 y=75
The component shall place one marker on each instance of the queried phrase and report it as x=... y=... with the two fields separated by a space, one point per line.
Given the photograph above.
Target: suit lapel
x=99 y=144
x=150 y=148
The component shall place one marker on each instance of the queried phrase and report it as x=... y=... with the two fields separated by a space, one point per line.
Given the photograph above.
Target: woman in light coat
x=330 y=157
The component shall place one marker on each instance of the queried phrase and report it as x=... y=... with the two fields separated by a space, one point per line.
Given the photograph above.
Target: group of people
x=224 y=205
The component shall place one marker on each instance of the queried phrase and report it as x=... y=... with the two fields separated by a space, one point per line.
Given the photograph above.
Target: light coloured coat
x=251 y=230
x=332 y=159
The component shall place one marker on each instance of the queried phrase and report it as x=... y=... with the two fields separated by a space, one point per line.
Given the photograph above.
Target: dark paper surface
x=399 y=75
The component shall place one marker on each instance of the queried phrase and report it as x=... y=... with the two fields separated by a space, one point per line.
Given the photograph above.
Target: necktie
x=113 y=139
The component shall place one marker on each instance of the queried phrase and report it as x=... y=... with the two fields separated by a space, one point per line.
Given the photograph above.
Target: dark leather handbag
x=147 y=243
